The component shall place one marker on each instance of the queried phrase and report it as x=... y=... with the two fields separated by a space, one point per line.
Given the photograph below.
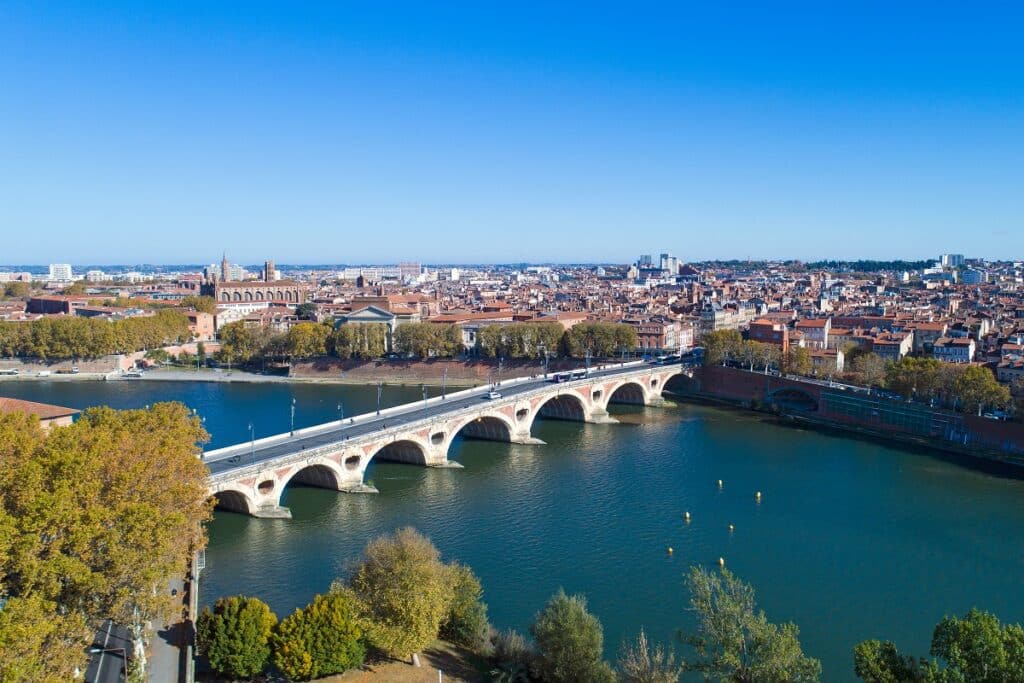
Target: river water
x=851 y=539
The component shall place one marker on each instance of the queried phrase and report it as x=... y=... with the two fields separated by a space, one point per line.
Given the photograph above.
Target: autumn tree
x=122 y=496
x=17 y=289
x=599 y=339
x=735 y=641
x=798 y=360
x=308 y=340
x=520 y=340
x=325 y=637
x=404 y=590
x=202 y=304
x=238 y=344
x=569 y=642
x=466 y=621
x=721 y=346
x=235 y=636
x=356 y=340
x=427 y=340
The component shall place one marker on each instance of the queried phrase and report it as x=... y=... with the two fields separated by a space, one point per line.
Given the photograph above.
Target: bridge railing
x=257 y=444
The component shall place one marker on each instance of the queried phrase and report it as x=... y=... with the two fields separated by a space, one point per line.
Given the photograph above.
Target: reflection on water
x=851 y=539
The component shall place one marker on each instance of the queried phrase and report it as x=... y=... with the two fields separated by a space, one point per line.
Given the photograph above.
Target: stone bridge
x=251 y=477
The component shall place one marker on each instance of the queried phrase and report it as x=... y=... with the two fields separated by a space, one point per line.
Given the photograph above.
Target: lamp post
x=293 y=418
x=341 y=412
x=500 y=360
x=252 y=443
x=380 y=390
x=444 y=382
x=124 y=657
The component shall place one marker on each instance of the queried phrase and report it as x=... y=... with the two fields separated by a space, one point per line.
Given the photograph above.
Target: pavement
x=239 y=457
x=166 y=661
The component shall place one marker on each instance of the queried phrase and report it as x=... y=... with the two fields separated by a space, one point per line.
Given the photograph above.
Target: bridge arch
x=562 y=406
x=323 y=475
x=629 y=392
x=793 y=398
x=404 y=450
x=234 y=500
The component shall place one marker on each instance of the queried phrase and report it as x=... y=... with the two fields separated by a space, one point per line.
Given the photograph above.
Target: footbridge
x=251 y=477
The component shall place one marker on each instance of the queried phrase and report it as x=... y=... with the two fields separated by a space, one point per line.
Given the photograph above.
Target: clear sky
x=475 y=132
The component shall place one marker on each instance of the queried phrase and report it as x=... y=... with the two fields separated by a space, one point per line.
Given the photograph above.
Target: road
x=367 y=424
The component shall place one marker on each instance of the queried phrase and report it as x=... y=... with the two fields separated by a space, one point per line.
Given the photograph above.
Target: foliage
x=238 y=344
x=324 y=638
x=466 y=622
x=640 y=663
x=235 y=636
x=976 y=648
x=520 y=340
x=97 y=516
x=359 y=340
x=601 y=340
x=735 y=641
x=202 y=304
x=869 y=369
x=74 y=289
x=513 y=658
x=798 y=361
x=405 y=592
x=428 y=340
x=38 y=643
x=759 y=355
x=17 y=289
x=308 y=340
x=721 y=345
x=306 y=311
x=77 y=337
x=970 y=388
x=569 y=642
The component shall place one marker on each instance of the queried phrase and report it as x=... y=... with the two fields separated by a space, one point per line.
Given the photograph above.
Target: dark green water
x=851 y=539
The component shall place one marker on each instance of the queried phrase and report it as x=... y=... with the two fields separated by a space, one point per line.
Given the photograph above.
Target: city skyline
x=454 y=135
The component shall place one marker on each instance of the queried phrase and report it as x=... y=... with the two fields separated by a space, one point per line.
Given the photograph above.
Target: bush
x=235 y=636
x=466 y=623
x=513 y=658
x=569 y=642
x=326 y=637
x=640 y=663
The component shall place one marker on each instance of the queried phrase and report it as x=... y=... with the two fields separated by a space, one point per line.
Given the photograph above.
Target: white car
x=491 y=395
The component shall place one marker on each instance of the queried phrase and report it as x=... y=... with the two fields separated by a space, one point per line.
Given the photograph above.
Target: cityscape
x=528 y=344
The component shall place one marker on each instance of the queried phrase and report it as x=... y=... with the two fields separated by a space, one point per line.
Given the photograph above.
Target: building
x=926 y=334
x=954 y=349
x=770 y=332
x=815 y=332
x=201 y=325
x=893 y=345
x=951 y=260
x=49 y=415
x=270 y=272
x=61 y=272
x=827 y=362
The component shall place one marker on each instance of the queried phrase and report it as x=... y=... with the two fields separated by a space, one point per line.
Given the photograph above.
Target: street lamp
x=252 y=443
x=423 y=388
x=341 y=412
x=293 y=417
x=380 y=390
x=500 y=360
x=124 y=657
x=444 y=382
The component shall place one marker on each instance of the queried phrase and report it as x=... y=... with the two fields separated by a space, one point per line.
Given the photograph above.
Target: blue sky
x=479 y=132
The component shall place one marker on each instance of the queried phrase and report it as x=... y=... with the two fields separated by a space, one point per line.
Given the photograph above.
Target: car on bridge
x=491 y=395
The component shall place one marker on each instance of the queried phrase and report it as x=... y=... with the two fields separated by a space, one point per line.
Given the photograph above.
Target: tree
x=405 y=592
x=202 y=304
x=640 y=663
x=308 y=340
x=976 y=648
x=513 y=658
x=356 y=340
x=426 y=340
x=306 y=311
x=235 y=636
x=569 y=642
x=870 y=368
x=720 y=346
x=600 y=340
x=324 y=638
x=17 y=290
x=735 y=641
x=977 y=389
x=74 y=289
x=122 y=495
x=520 y=340
x=798 y=361
x=237 y=343
x=466 y=622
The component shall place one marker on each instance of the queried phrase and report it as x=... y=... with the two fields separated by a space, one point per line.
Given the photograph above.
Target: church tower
x=224 y=267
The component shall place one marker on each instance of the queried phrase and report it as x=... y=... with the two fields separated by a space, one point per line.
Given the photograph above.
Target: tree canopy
x=235 y=635
x=78 y=337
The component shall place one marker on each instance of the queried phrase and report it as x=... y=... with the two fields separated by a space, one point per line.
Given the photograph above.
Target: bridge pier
x=272 y=512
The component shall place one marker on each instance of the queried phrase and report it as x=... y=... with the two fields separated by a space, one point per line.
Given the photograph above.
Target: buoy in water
x=719 y=483
x=721 y=562
x=757 y=496
x=731 y=528
x=670 y=550
x=686 y=516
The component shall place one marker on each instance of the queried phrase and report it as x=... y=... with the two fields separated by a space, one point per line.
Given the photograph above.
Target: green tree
x=324 y=638
x=721 y=346
x=306 y=311
x=975 y=649
x=203 y=304
x=466 y=622
x=569 y=642
x=735 y=641
x=798 y=361
x=600 y=340
x=869 y=368
x=405 y=592
x=238 y=344
x=640 y=662
x=17 y=290
x=976 y=389
x=235 y=636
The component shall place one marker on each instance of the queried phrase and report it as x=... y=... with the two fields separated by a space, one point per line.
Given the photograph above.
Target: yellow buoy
x=731 y=528
x=757 y=495
x=686 y=516
x=719 y=483
x=670 y=550
x=721 y=562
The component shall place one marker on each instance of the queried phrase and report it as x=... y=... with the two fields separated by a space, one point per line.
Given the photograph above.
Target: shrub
x=326 y=637
x=466 y=623
x=235 y=636
x=569 y=642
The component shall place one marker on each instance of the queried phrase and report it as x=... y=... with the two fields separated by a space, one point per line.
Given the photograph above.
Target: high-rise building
x=269 y=271
x=61 y=271
x=670 y=263
x=645 y=261
x=952 y=260
x=225 y=271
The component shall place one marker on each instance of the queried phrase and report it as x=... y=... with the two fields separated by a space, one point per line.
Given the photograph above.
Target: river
x=851 y=539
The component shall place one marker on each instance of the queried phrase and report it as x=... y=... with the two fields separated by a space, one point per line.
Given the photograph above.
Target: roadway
x=362 y=425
